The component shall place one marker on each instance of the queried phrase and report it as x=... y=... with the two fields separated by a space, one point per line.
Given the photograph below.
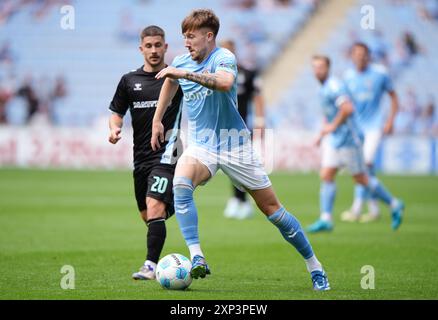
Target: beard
x=199 y=56
x=154 y=61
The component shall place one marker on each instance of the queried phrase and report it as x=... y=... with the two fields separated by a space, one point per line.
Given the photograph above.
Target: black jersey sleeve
x=120 y=102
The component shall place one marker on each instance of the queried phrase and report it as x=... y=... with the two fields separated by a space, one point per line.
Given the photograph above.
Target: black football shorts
x=155 y=182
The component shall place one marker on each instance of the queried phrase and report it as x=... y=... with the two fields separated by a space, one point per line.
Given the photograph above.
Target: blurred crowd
x=416 y=117
x=24 y=97
x=38 y=8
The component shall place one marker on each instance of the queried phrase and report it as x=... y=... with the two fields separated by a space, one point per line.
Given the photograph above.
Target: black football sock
x=239 y=194
x=155 y=238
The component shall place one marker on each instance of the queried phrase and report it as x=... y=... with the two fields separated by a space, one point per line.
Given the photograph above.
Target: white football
x=173 y=272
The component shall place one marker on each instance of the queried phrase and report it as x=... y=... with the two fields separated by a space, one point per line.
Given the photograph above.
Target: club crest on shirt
x=225 y=65
x=137 y=87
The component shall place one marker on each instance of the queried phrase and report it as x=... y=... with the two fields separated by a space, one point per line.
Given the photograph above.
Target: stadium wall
x=80 y=148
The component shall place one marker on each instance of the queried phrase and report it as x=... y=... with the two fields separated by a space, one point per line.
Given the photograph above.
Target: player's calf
x=187 y=217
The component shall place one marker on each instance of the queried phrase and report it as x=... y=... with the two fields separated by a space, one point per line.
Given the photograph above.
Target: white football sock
x=373 y=206
x=313 y=264
x=394 y=203
x=357 y=206
x=195 y=249
x=327 y=217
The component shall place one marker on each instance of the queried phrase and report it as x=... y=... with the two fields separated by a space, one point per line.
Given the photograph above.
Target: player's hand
x=388 y=128
x=318 y=140
x=157 y=135
x=170 y=72
x=115 y=135
x=327 y=128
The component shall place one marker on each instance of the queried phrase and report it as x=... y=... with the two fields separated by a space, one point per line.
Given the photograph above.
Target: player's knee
x=326 y=176
x=182 y=190
x=361 y=179
x=156 y=209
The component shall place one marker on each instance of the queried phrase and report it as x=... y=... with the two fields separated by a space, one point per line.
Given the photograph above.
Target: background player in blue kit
x=366 y=84
x=218 y=139
x=342 y=147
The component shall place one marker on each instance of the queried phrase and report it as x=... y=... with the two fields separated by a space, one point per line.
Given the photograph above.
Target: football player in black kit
x=248 y=88
x=153 y=173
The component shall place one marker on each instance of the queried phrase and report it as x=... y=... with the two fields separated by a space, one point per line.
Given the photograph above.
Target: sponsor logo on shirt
x=145 y=104
x=137 y=87
x=189 y=96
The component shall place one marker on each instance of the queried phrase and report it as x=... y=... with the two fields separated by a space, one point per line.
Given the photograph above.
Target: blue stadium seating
x=299 y=104
x=93 y=56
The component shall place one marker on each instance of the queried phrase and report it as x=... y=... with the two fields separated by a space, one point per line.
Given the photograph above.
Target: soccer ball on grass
x=173 y=272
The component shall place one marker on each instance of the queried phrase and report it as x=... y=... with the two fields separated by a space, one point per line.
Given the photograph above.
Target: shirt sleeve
x=227 y=62
x=120 y=102
x=339 y=92
x=177 y=61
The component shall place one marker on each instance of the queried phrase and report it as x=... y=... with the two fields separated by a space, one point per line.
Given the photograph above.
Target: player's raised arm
x=220 y=80
x=345 y=110
x=168 y=91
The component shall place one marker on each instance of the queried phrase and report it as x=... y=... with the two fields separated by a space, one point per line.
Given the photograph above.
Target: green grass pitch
x=88 y=219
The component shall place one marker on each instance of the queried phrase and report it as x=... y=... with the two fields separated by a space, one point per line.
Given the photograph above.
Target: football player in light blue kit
x=342 y=147
x=366 y=84
x=218 y=139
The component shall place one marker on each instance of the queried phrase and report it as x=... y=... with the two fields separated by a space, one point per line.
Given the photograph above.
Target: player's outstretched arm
x=115 y=125
x=345 y=110
x=168 y=91
x=220 y=80
x=389 y=125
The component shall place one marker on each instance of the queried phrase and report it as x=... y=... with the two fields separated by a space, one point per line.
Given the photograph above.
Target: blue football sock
x=371 y=170
x=360 y=195
x=379 y=191
x=373 y=196
x=360 y=192
x=327 y=196
x=185 y=209
x=291 y=230
x=372 y=174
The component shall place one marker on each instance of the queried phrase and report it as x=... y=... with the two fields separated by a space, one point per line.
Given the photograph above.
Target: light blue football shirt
x=366 y=90
x=214 y=120
x=332 y=94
